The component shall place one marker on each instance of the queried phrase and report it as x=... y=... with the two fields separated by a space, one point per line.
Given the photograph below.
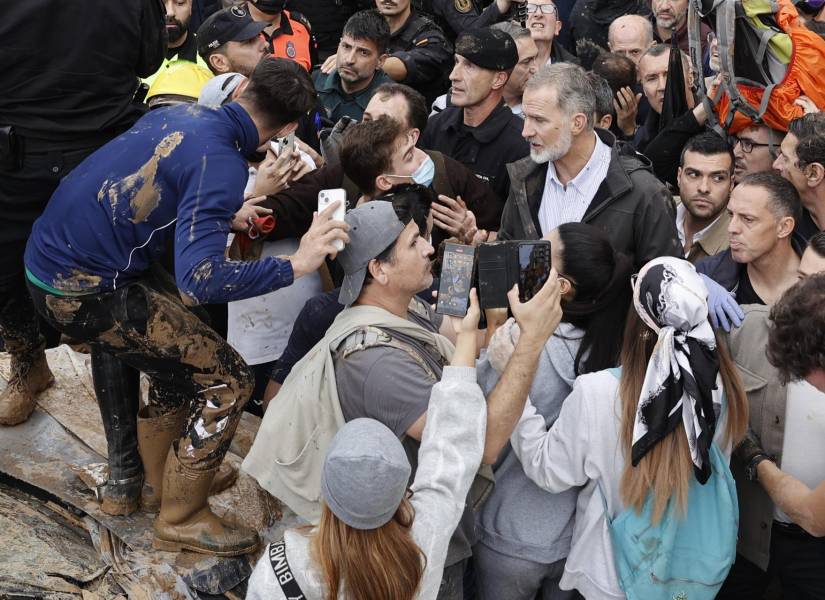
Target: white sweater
x=583 y=448
x=451 y=448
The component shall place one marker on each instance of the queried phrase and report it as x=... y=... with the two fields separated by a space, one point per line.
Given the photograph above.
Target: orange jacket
x=292 y=39
x=804 y=75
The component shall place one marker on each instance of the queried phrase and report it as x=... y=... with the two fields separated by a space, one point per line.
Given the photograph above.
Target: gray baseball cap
x=373 y=227
x=218 y=90
x=365 y=474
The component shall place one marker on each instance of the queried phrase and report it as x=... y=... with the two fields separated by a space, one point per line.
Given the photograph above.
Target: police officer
x=457 y=16
x=58 y=105
x=289 y=34
x=419 y=53
x=328 y=18
x=478 y=129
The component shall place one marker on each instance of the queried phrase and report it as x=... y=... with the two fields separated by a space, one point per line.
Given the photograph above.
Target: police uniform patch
x=290 y=50
x=463 y=6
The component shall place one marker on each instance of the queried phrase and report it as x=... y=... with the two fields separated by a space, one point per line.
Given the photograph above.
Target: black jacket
x=665 y=149
x=631 y=206
x=70 y=71
x=485 y=149
x=328 y=18
x=428 y=56
x=562 y=54
x=726 y=272
x=457 y=16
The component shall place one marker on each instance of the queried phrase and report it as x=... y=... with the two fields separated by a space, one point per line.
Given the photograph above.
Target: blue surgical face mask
x=425 y=172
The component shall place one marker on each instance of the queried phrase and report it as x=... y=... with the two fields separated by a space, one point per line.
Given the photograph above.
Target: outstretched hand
x=319 y=241
x=539 y=317
x=466 y=329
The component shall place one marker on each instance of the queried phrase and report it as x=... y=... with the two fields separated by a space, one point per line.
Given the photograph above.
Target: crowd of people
x=649 y=424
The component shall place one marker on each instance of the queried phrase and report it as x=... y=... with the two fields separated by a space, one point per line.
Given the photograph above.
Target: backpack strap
x=284 y=575
x=371 y=337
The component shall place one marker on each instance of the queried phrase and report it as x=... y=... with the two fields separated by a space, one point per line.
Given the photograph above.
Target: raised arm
x=450 y=454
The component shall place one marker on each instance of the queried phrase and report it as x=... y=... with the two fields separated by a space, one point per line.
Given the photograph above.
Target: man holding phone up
x=179 y=175
x=389 y=354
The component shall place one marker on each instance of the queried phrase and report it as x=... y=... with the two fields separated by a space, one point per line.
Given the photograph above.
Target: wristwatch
x=750 y=471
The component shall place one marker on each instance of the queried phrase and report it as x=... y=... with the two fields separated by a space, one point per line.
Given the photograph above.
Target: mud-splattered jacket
x=178 y=174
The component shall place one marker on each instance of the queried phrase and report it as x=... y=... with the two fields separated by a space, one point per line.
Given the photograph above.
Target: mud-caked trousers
x=187 y=362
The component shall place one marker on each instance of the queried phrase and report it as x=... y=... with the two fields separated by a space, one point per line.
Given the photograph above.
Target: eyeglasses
x=547 y=9
x=746 y=144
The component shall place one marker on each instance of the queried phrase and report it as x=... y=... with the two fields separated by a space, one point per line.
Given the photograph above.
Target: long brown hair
x=667 y=468
x=369 y=564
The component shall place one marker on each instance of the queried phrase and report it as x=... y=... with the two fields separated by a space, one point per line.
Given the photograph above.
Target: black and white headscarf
x=682 y=382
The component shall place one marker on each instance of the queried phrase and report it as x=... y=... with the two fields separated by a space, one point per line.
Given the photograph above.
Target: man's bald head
x=630 y=36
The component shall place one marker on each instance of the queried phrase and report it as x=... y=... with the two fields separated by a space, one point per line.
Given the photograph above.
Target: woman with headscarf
x=646 y=431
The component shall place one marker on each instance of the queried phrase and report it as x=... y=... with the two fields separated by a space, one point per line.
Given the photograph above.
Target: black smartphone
x=533 y=267
x=494 y=267
x=456 y=280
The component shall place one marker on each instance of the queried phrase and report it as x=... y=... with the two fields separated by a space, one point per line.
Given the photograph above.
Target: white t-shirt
x=803 y=449
x=259 y=327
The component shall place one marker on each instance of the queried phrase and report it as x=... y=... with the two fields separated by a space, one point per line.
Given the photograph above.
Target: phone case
x=327 y=197
x=457 y=268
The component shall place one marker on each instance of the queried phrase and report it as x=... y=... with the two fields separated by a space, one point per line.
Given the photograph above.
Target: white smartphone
x=327 y=197
x=279 y=144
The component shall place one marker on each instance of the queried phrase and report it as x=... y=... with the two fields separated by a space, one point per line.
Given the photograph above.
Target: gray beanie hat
x=365 y=474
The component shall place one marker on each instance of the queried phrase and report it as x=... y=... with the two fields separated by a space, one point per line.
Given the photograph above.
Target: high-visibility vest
x=291 y=40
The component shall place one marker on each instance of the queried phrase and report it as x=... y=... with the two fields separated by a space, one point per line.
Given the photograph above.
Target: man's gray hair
x=574 y=90
x=513 y=29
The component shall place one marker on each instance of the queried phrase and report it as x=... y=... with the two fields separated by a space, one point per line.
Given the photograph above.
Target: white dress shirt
x=567 y=204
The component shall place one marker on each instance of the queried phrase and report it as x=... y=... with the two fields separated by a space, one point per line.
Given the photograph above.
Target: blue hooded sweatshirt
x=178 y=174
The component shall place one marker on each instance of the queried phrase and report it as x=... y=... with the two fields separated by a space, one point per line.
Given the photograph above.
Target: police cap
x=488 y=48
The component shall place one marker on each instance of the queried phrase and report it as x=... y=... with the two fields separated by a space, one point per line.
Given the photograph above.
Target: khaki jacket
x=715 y=240
x=766 y=400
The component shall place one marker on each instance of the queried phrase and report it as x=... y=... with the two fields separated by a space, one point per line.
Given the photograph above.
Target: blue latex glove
x=722 y=306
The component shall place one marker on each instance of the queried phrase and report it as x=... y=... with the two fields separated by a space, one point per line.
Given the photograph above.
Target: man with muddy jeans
x=178 y=175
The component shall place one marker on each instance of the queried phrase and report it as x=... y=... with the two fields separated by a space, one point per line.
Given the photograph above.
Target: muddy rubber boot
x=155 y=435
x=224 y=478
x=185 y=521
x=117 y=387
x=30 y=375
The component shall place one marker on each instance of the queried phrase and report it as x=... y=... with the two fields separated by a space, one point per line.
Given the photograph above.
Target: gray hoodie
x=449 y=457
x=519 y=518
